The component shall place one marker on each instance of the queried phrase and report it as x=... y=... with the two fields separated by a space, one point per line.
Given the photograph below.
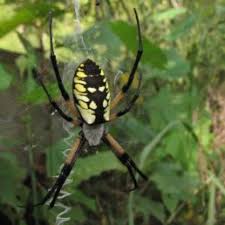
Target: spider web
x=91 y=43
x=82 y=44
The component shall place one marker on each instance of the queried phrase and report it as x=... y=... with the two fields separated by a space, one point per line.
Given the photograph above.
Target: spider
x=90 y=109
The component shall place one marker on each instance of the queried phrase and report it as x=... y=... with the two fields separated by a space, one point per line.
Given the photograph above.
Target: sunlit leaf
x=102 y=35
x=182 y=28
x=26 y=14
x=169 y=14
x=153 y=55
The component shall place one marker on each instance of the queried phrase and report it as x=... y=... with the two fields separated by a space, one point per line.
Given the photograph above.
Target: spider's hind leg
x=124 y=159
x=56 y=187
x=68 y=165
x=130 y=164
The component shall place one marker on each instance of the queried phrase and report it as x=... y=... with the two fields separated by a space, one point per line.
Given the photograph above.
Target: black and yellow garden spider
x=91 y=109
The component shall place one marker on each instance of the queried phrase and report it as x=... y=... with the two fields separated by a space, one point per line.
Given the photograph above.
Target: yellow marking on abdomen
x=106 y=114
x=81 y=74
x=79 y=81
x=93 y=105
x=105 y=103
x=77 y=93
x=108 y=96
x=101 y=88
x=83 y=104
x=92 y=90
x=83 y=98
x=80 y=87
x=87 y=114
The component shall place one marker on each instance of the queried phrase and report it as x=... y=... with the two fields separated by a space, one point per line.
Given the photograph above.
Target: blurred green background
x=175 y=133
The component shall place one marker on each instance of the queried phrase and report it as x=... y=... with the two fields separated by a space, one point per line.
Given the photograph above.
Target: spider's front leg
x=65 y=171
x=130 y=104
x=64 y=93
x=120 y=96
x=124 y=159
x=37 y=76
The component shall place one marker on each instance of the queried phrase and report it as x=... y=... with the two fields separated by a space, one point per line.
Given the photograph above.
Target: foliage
x=173 y=129
x=6 y=79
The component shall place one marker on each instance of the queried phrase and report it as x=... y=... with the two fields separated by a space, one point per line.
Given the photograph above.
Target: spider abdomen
x=91 y=93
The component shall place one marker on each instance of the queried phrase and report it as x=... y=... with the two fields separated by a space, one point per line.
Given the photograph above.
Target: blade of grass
x=218 y=183
x=211 y=206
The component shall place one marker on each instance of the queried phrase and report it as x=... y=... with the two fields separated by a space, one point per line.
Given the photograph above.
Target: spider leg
x=53 y=58
x=126 y=87
x=54 y=62
x=124 y=159
x=69 y=163
x=130 y=104
x=53 y=103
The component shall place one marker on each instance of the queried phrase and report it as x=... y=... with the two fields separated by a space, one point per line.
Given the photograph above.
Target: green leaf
x=77 y=214
x=10 y=175
x=34 y=94
x=183 y=28
x=176 y=67
x=133 y=124
x=169 y=14
x=169 y=105
x=94 y=165
x=5 y=78
x=178 y=183
x=149 y=207
x=127 y=33
x=84 y=200
x=103 y=40
x=170 y=202
x=26 y=14
x=181 y=146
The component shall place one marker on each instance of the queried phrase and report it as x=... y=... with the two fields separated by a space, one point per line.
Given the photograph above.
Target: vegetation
x=176 y=132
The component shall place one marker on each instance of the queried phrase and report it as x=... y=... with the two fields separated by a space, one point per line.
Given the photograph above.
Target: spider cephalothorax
x=91 y=108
